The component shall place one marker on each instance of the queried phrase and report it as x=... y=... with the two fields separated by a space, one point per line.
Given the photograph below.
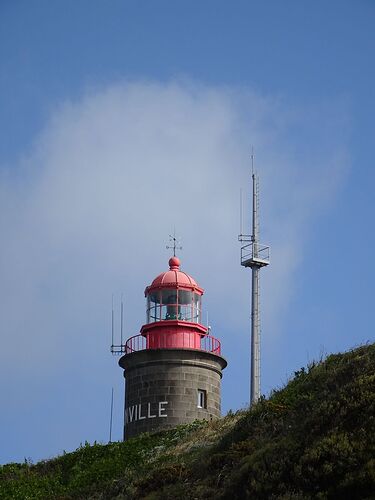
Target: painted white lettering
x=132 y=413
x=161 y=409
x=140 y=417
x=149 y=411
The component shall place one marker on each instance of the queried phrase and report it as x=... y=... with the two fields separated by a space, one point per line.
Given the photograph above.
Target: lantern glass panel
x=169 y=308
x=185 y=303
x=153 y=307
x=197 y=299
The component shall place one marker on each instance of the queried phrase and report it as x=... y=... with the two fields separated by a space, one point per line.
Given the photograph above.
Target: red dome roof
x=174 y=278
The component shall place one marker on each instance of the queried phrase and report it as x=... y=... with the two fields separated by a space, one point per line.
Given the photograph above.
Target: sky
x=123 y=120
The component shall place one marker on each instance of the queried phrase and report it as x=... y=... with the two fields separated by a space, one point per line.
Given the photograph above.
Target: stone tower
x=173 y=368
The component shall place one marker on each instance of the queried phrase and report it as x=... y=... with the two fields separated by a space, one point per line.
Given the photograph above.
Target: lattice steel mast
x=255 y=256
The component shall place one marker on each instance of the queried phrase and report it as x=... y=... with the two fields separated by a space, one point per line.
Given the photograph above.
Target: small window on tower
x=202 y=398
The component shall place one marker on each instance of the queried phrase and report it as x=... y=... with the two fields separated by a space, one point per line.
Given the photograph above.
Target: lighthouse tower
x=173 y=368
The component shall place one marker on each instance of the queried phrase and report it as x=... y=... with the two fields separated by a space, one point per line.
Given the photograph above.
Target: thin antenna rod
x=122 y=319
x=241 y=213
x=255 y=233
x=113 y=327
x=111 y=419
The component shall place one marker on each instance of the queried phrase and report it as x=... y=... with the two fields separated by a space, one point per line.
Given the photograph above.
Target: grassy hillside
x=315 y=438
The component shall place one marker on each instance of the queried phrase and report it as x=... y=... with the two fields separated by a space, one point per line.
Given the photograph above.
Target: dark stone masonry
x=168 y=387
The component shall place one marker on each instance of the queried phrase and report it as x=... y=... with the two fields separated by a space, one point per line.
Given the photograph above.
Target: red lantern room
x=174 y=316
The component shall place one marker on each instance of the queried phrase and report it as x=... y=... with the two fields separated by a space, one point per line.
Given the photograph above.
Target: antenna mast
x=111 y=419
x=255 y=256
x=118 y=349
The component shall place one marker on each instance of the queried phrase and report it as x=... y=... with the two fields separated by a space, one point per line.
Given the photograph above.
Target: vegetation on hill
x=315 y=438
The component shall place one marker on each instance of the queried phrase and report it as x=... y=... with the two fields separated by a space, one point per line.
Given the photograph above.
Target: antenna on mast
x=255 y=256
x=122 y=320
x=241 y=213
x=118 y=349
x=113 y=327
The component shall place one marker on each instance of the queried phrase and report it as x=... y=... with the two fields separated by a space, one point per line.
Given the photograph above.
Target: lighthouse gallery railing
x=187 y=340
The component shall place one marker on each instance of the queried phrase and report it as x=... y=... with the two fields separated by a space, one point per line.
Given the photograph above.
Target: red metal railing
x=135 y=343
x=186 y=340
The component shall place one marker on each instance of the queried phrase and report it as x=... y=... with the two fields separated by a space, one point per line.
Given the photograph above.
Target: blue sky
x=120 y=120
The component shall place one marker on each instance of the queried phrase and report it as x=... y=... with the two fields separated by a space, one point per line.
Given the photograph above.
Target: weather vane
x=175 y=242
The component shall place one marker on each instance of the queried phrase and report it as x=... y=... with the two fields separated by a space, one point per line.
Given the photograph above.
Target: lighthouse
x=173 y=368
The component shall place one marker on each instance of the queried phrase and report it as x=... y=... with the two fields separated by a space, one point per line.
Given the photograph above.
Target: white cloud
x=89 y=209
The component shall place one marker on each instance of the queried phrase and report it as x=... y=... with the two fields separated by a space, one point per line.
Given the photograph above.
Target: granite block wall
x=162 y=385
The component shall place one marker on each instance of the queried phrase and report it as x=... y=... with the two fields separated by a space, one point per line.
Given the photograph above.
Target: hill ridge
x=313 y=438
